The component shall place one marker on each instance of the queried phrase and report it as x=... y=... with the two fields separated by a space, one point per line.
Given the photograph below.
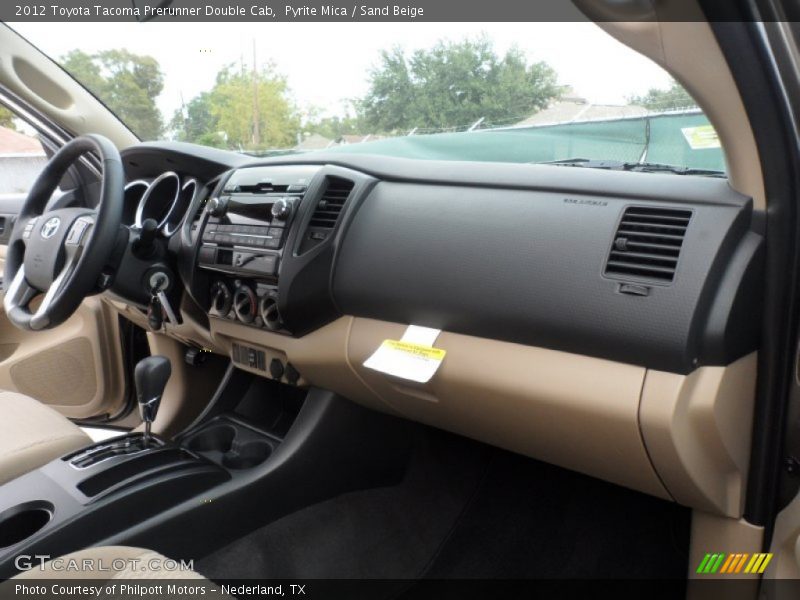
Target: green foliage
x=196 y=123
x=333 y=128
x=6 y=118
x=673 y=98
x=125 y=82
x=453 y=85
x=224 y=116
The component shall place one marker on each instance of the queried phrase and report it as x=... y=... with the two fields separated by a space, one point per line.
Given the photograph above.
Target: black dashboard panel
x=528 y=267
x=151 y=158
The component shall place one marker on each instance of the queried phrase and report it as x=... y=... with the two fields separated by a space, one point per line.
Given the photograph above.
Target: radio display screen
x=242 y=212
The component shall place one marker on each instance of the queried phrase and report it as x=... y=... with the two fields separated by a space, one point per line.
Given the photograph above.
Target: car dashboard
x=591 y=319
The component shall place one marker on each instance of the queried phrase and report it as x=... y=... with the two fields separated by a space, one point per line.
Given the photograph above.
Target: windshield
x=454 y=91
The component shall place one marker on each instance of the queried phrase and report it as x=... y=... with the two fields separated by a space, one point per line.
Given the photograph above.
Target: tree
x=333 y=127
x=673 y=98
x=196 y=123
x=453 y=85
x=127 y=83
x=225 y=115
x=6 y=118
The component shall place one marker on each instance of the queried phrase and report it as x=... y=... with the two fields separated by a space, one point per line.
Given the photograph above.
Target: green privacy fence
x=682 y=139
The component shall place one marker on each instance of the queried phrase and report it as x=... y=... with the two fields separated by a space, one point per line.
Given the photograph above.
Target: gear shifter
x=150 y=376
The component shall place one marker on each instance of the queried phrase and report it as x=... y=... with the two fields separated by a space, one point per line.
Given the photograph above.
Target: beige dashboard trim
x=678 y=437
x=320 y=357
x=574 y=411
x=697 y=429
x=41 y=82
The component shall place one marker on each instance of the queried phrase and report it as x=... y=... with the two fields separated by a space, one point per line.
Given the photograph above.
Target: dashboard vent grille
x=330 y=205
x=648 y=243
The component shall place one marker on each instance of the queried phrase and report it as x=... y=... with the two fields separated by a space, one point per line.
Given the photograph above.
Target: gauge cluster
x=164 y=199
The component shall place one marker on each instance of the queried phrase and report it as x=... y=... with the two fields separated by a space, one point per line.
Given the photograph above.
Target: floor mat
x=533 y=520
x=388 y=532
x=465 y=510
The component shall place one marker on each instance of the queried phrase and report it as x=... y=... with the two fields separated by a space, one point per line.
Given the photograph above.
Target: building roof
x=16 y=143
x=314 y=141
x=573 y=109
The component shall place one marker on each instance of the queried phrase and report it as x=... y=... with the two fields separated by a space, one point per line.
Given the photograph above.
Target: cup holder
x=232 y=445
x=20 y=522
x=246 y=455
x=218 y=438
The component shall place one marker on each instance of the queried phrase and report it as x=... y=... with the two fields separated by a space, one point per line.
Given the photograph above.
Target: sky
x=327 y=63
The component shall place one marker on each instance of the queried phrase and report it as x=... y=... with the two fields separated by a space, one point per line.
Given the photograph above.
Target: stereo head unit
x=249 y=220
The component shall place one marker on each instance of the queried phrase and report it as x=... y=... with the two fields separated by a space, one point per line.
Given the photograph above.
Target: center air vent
x=330 y=205
x=648 y=243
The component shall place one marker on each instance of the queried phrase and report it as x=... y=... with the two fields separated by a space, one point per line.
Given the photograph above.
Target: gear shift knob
x=150 y=376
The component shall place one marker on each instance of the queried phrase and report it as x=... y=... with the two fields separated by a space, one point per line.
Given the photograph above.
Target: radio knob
x=268 y=309
x=217 y=206
x=221 y=299
x=245 y=304
x=281 y=209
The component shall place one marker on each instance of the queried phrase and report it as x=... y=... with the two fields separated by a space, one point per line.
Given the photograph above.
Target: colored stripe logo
x=730 y=564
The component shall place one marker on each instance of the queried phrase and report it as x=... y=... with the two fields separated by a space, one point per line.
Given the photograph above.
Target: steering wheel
x=61 y=253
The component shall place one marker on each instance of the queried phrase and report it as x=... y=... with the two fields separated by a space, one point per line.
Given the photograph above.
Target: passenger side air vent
x=330 y=205
x=648 y=243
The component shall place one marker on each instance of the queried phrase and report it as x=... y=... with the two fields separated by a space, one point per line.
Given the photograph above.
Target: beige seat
x=32 y=434
x=112 y=563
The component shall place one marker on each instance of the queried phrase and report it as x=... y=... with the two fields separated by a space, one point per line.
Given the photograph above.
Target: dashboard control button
x=281 y=210
x=292 y=375
x=221 y=299
x=208 y=255
x=217 y=206
x=276 y=368
x=245 y=304
x=268 y=309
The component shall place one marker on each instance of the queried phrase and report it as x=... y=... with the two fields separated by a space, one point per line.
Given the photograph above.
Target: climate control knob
x=217 y=206
x=221 y=299
x=245 y=304
x=268 y=309
x=281 y=210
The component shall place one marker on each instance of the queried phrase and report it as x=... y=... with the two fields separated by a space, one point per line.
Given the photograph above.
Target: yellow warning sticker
x=701 y=137
x=407 y=360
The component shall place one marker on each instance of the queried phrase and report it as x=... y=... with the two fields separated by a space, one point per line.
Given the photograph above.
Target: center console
x=111 y=485
x=261 y=256
x=263 y=245
x=259 y=450
x=244 y=240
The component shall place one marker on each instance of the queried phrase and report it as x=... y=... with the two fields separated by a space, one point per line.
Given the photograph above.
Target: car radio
x=246 y=235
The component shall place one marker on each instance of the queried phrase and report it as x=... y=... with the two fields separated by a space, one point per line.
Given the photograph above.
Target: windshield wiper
x=643 y=167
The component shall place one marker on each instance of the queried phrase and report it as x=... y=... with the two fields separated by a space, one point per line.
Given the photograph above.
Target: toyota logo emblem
x=50 y=227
